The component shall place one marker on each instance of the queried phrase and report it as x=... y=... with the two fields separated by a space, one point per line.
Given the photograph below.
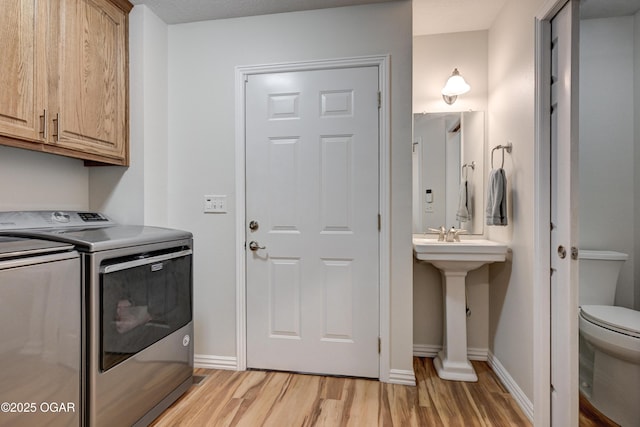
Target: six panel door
x=312 y=190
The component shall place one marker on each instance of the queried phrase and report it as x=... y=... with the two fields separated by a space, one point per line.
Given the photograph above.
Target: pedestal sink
x=455 y=260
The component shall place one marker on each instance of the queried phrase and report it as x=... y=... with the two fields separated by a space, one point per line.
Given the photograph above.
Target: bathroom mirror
x=448 y=171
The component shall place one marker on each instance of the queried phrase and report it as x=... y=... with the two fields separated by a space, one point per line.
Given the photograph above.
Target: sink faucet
x=453 y=235
x=441 y=232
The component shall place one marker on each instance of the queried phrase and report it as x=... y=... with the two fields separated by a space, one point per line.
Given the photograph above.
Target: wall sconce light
x=455 y=86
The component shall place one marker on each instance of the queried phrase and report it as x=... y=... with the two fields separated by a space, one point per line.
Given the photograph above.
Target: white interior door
x=564 y=218
x=312 y=191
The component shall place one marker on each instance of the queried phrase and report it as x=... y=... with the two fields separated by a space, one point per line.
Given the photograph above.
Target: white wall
x=156 y=121
x=30 y=181
x=636 y=115
x=607 y=212
x=137 y=194
x=202 y=61
x=511 y=118
x=435 y=57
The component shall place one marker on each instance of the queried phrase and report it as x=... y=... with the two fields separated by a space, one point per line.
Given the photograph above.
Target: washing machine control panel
x=52 y=219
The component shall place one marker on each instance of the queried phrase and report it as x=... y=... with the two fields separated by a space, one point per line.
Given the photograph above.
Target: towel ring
x=504 y=148
x=471 y=165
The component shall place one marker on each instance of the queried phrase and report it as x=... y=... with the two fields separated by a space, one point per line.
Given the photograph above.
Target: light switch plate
x=215 y=204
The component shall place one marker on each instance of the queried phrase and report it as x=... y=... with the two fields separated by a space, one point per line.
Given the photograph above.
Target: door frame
x=542 y=358
x=384 y=196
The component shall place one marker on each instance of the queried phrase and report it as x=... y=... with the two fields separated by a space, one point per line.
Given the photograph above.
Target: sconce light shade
x=455 y=86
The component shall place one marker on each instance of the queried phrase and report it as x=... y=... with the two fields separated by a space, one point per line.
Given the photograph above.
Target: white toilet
x=609 y=340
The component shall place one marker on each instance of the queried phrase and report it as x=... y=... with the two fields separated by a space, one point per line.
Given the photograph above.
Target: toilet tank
x=598 y=275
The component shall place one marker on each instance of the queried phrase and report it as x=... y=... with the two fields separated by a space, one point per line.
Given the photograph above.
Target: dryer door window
x=142 y=300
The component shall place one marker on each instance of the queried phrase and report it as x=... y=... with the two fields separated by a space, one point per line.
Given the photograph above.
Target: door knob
x=254 y=246
x=562 y=252
x=253 y=225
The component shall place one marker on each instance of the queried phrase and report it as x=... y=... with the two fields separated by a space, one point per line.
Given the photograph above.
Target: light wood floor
x=257 y=398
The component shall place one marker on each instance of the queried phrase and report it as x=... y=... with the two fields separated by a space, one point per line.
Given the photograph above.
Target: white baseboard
x=507 y=380
x=215 y=362
x=425 y=350
x=396 y=376
x=478 y=354
x=402 y=377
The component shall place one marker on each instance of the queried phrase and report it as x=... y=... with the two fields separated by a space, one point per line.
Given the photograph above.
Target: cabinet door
x=22 y=67
x=91 y=88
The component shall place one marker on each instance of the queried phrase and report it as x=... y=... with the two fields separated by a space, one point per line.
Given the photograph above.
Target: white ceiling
x=429 y=16
x=181 y=11
x=453 y=16
x=608 y=8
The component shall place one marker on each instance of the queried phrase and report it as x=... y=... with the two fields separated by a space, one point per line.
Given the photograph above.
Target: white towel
x=496 y=210
x=464 y=208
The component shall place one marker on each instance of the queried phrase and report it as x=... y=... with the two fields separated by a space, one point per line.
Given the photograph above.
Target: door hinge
x=379 y=345
x=379 y=99
x=379 y=222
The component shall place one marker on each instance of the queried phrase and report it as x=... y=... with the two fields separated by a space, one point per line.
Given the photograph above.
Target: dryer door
x=143 y=300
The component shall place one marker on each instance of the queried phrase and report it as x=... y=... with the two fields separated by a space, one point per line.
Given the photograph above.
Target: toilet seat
x=619 y=319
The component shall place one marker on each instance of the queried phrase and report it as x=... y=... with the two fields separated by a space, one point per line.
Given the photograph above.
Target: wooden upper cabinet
x=91 y=84
x=67 y=74
x=22 y=69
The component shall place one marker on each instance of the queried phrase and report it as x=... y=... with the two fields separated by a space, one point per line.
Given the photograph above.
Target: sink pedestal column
x=454 y=260
x=452 y=363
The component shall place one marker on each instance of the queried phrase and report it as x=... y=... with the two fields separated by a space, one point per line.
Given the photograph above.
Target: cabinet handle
x=57 y=120
x=45 y=127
